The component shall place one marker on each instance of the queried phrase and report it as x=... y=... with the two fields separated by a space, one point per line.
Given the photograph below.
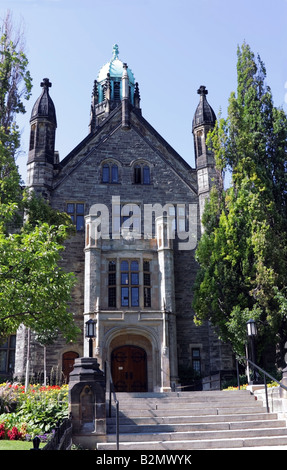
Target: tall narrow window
x=115 y=174
x=32 y=137
x=147 y=284
x=117 y=91
x=146 y=175
x=199 y=143
x=112 y=290
x=130 y=283
x=195 y=357
x=137 y=174
x=106 y=174
x=134 y=283
x=76 y=212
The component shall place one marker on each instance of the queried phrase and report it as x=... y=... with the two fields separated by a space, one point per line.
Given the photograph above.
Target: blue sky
x=172 y=47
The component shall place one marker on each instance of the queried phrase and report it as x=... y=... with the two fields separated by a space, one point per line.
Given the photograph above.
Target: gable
x=140 y=143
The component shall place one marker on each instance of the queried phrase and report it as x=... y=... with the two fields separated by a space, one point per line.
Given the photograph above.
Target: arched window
x=110 y=173
x=141 y=174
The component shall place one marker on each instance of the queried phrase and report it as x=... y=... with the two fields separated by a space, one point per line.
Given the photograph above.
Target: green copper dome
x=113 y=71
x=114 y=67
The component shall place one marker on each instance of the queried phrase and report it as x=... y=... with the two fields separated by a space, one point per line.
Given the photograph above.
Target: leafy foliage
x=34 y=289
x=243 y=252
x=37 y=412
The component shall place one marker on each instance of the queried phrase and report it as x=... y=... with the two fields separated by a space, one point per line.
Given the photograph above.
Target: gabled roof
x=141 y=127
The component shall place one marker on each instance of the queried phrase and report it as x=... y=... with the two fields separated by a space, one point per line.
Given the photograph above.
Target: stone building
x=136 y=205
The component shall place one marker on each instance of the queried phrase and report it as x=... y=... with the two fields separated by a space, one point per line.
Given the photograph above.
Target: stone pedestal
x=87 y=403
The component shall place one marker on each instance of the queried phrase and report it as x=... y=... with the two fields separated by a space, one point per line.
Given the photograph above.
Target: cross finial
x=202 y=90
x=46 y=83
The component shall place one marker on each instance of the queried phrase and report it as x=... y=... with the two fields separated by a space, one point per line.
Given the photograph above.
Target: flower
x=14 y=434
x=2 y=431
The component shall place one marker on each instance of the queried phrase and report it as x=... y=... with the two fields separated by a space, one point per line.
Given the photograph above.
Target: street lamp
x=251 y=328
x=90 y=333
x=252 y=333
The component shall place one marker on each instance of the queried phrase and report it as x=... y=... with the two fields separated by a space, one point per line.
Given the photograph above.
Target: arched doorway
x=68 y=360
x=129 y=369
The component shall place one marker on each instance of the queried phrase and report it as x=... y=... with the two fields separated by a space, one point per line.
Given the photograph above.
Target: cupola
x=113 y=71
x=115 y=82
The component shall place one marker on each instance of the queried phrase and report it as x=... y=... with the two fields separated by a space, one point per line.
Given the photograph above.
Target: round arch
x=135 y=338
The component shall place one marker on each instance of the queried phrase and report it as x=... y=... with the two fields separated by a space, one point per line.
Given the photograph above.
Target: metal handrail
x=112 y=392
x=255 y=366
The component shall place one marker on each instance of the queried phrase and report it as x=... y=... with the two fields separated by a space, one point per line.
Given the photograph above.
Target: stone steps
x=194 y=420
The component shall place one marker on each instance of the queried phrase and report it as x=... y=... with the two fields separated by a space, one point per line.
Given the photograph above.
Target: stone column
x=87 y=404
x=167 y=302
x=125 y=99
x=92 y=278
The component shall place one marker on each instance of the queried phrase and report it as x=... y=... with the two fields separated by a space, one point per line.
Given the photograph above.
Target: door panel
x=129 y=369
x=68 y=360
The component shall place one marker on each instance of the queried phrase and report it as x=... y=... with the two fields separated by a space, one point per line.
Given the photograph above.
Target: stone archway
x=139 y=346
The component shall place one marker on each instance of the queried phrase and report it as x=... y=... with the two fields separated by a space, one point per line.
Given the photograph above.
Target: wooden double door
x=129 y=369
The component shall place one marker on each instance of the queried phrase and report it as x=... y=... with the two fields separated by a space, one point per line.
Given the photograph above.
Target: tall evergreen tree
x=243 y=252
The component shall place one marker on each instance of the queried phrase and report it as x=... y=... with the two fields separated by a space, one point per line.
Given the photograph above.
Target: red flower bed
x=12 y=434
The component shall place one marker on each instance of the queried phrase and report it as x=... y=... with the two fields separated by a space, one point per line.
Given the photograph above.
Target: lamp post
x=252 y=333
x=90 y=333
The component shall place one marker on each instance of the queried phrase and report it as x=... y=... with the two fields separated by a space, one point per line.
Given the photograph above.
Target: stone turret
x=42 y=157
x=203 y=121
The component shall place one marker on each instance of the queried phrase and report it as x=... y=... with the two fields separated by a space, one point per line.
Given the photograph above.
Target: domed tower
x=42 y=156
x=115 y=85
x=203 y=121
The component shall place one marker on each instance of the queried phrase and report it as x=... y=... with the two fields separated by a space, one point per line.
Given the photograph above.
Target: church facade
x=137 y=206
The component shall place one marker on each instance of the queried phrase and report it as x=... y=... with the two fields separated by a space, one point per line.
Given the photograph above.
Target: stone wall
x=78 y=179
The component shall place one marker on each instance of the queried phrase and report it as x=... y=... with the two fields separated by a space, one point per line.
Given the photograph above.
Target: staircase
x=194 y=420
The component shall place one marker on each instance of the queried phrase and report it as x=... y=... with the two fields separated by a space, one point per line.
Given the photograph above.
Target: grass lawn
x=17 y=445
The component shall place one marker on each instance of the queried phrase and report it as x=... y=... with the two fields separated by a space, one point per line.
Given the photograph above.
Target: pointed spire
x=44 y=106
x=204 y=113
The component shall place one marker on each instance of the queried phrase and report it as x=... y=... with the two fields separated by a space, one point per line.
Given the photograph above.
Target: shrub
x=37 y=411
x=8 y=398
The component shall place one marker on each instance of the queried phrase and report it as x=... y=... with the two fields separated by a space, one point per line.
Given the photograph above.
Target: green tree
x=15 y=84
x=243 y=252
x=34 y=289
